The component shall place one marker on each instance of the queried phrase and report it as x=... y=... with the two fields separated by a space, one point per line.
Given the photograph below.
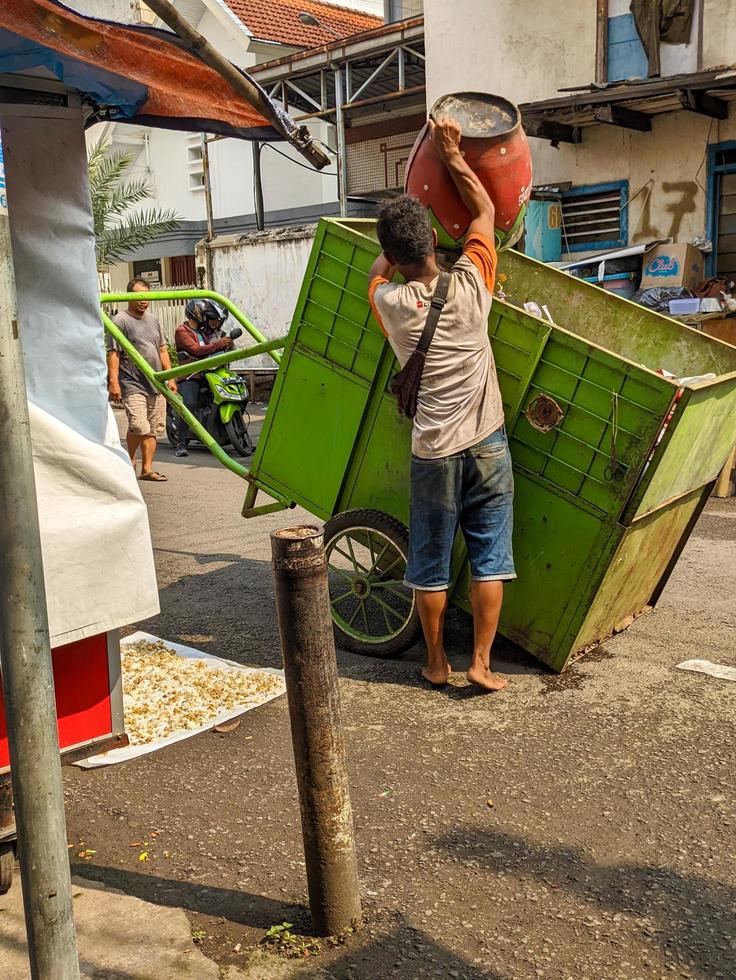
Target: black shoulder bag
x=405 y=384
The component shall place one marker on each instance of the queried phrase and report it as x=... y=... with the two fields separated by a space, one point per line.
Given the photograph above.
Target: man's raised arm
x=445 y=135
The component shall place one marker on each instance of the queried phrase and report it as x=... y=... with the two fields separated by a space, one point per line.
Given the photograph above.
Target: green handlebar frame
x=158 y=379
x=166 y=296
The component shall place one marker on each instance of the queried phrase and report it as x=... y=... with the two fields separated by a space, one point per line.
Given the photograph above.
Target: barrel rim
x=490 y=99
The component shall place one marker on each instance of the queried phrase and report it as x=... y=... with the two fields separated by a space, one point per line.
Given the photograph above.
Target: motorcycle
x=221 y=409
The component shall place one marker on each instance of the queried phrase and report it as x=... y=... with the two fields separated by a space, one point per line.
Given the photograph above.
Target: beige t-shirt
x=459 y=400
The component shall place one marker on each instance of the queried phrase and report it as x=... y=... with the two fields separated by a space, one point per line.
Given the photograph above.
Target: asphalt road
x=575 y=827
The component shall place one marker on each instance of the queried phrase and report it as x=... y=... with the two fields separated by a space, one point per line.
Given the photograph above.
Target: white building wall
x=666 y=169
x=262 y=274
x=123 y=11
x=521 y=49
x=530 y=50
x=719 y=33
x=169 y=175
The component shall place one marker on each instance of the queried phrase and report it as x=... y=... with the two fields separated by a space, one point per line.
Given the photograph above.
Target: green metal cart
x=613 y=462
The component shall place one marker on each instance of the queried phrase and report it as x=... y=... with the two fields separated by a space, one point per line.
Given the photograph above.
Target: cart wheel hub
x=362 y=588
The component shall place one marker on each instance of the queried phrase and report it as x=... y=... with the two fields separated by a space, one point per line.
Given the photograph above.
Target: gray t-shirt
x=146 y=335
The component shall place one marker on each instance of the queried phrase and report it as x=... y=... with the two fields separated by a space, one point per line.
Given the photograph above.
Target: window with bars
x=595 y=217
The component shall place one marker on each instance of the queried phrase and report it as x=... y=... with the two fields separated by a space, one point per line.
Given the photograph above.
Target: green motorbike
x=221 y=408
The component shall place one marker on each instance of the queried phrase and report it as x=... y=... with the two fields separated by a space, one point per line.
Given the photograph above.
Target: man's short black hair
x=404 y=230
x=137 y=281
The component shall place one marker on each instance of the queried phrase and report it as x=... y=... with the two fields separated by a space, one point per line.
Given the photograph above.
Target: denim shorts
x=472 y=490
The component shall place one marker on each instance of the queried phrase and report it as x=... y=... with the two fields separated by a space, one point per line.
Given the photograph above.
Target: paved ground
x=571 y=827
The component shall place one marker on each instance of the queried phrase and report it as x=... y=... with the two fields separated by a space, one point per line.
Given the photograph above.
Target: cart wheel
x=7 y=862
x=372 y=610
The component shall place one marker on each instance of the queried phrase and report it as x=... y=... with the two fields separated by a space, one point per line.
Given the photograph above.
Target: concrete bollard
x=310 y=666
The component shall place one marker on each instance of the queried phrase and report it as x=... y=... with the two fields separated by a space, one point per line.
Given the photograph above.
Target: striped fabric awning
x=124 y=73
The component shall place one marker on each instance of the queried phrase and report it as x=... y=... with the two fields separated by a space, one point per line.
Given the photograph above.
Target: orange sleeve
x=374 y=284
x=482 y=253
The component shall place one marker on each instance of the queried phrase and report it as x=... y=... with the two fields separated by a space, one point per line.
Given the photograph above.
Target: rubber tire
x=398 y=534
x=239 y=440
x=7 y=864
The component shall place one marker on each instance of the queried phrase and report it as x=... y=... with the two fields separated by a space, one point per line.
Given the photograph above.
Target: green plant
x=283 y=939
x=173 y=355
x=118 y=228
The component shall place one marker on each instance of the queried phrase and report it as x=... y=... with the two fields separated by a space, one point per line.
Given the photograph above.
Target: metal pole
x=28 y=681
x=207 y=182
x=258 y=186
x=342 y=182
x=207 y=179
x=601 y=42
x=310 y=666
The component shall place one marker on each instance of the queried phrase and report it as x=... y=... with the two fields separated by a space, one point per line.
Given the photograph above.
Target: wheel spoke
x=365 y=617
x=352 y=553
x=400 y=593
x=355 y=613
x=399 y=557
x=341 y=597
x=386 y=608
x=341 y=571
x=372 y=552
x=347 y=557
x=375 y=564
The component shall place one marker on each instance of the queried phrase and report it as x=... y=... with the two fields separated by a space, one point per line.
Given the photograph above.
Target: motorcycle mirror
x=236 y=332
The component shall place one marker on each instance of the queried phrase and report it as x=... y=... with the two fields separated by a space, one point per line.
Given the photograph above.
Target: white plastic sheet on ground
x=720 y=671
x=135 y=751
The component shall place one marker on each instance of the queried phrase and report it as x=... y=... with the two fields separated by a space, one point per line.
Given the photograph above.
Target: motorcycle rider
x=199 y=337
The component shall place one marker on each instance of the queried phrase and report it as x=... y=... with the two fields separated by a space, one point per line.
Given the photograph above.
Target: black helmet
x=202 y=310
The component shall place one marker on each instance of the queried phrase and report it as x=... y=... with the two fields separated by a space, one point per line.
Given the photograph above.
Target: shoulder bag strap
x=435 y=308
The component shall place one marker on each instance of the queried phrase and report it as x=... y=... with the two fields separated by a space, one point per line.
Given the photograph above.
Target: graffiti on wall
x=680 y=199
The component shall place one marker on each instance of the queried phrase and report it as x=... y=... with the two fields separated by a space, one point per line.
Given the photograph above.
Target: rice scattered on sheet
x=165 y=693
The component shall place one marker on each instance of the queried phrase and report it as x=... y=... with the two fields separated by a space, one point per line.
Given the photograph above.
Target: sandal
x=154 y=477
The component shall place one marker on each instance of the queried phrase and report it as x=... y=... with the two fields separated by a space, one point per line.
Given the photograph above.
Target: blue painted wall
x=543 y=225
x=626 y=55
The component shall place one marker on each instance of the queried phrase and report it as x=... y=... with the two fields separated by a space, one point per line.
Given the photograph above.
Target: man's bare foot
x=437 y=676
x=485 y=678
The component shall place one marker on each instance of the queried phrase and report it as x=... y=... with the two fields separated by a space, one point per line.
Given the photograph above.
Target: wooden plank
x=704 y=104
x=723 y=483
x=555 y=132
x=728 y=184
x=726 y=243
x=727 y=264
x=727 y=204
x=727 y=224
x=616 y=115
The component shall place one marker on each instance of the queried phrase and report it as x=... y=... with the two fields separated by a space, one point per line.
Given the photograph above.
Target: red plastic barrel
x=496 y=148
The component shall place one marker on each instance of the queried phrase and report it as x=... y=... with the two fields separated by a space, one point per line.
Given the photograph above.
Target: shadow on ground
x=689 y=914
x=235 y=905
x=405 y=952
x=241 y=618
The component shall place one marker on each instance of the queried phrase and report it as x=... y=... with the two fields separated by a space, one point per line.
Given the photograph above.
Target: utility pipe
x=27 y=673
x=298 y=136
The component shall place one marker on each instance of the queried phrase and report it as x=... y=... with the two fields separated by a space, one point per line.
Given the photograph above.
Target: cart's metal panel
x=333 y=440
x=641 y=560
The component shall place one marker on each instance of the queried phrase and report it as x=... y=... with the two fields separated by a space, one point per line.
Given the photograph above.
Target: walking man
x=461 y=467
x=144 y=407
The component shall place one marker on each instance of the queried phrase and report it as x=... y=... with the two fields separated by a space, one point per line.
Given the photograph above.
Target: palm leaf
x=118 y=241
x=118 y=232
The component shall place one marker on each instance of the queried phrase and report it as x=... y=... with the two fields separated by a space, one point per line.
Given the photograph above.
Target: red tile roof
x=278 y=20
